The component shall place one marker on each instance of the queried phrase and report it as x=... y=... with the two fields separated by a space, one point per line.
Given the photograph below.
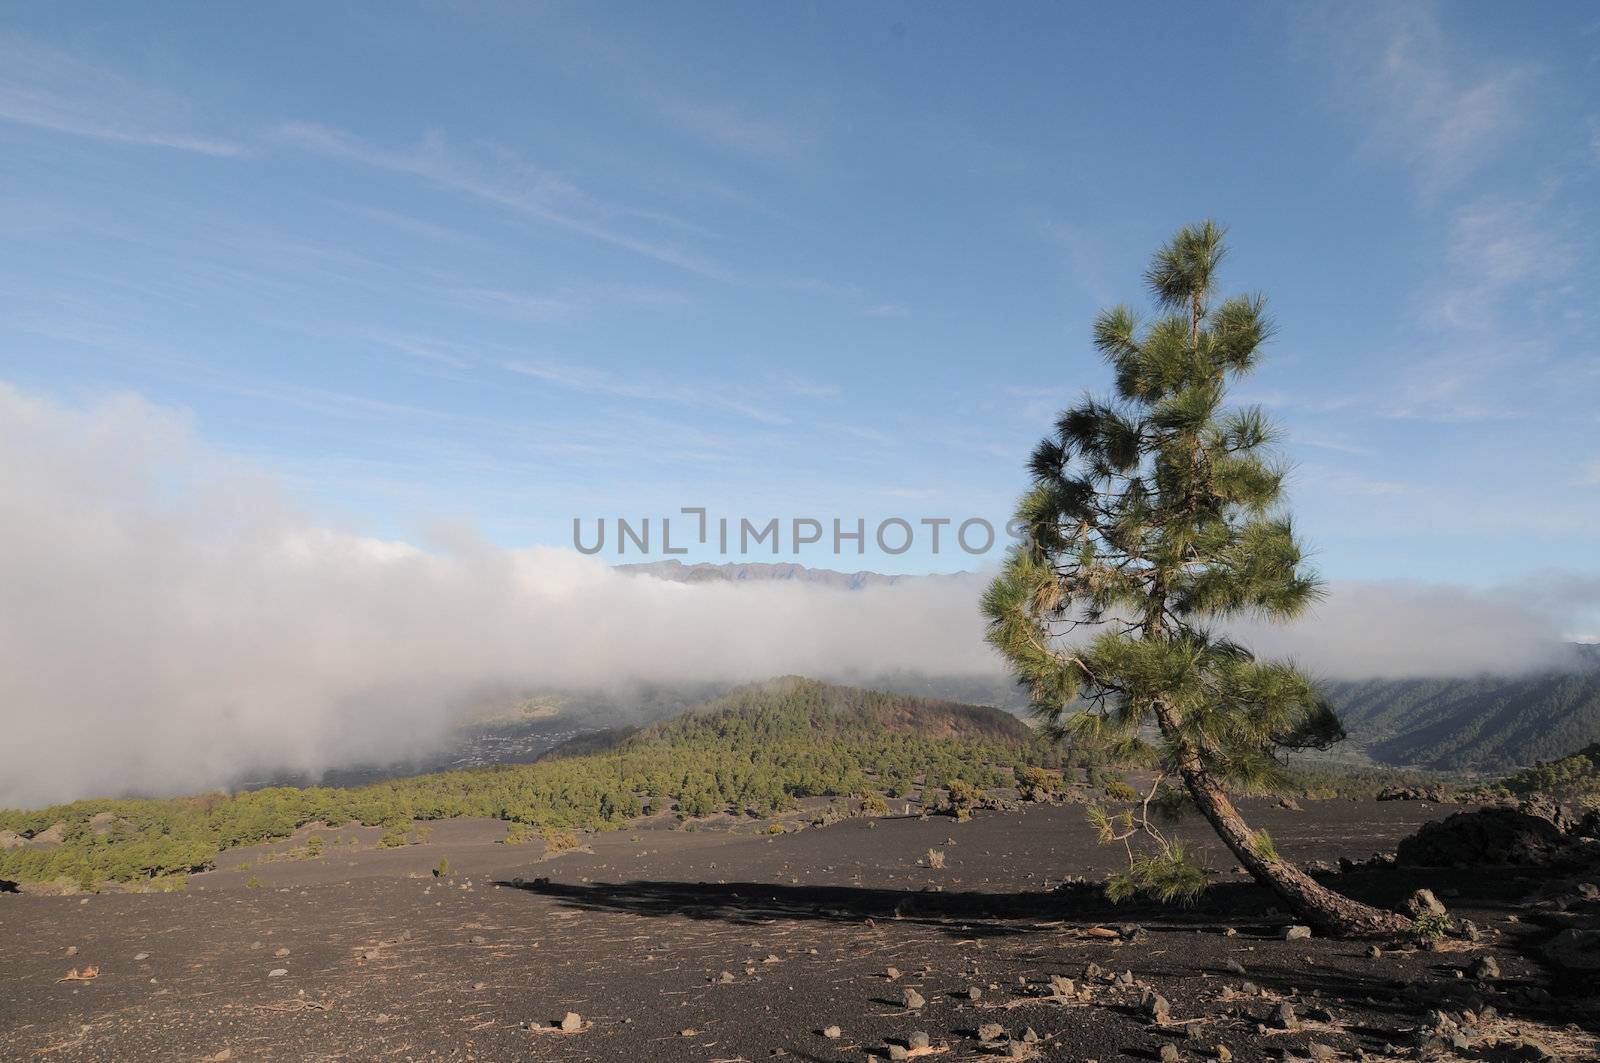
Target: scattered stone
x=833 y=1033
x=898 y=1052
x=257 y=945
x=1321 y=1052
x=1230 y=932
x=1157 y=1008
x=917 y=1039
x=913 y=999
x=571 y=1022
x=974 y=993
x=1125 y=978
x=280 y=952
x=478 y=987
x=1169 y=1052
x=1062 y=986
x=990 y=1032
x=892 y=973
x=1284 y=1018
x=1373 y=952
x=1233 y=966
x=1424 y=902
x=278 y=972
x=725 y=977
x=1224 y=1054
x=1485 y=968
x=478 y=939
x=1030 y=1036
x=1296 y=933
x=141 y=957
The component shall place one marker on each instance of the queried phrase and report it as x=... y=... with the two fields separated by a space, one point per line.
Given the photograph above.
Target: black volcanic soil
x=724 y=944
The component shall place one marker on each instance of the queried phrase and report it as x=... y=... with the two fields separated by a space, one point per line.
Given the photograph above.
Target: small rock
x=1485 y=968
x=892 y=973
x=974 y=993
x=833 y=1033
x=725 y=977
x=1233 y=966
x=72 y=950
x=141 y=957
x=1321 y=1052
x=478 y=987
x=898 y=1052
x=1284 y=1018
x=1157 y=1008
x=913 y=999
x=1373 y=952
x=990 y=1032
x=1224 y=1054
x=1424 y=901
x=280 y=952
x=1296 y=933
x=571 y=1022
x=917 y=1039
x=257 y=945
x=1169 y=1052
x=1230 y=932
x=478 y=939
x=1030 y=1036
x=277 y=972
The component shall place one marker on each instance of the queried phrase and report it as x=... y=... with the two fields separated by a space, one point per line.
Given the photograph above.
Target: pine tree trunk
x=1333 y=913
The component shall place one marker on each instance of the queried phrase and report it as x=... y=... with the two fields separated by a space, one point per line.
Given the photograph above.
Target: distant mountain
x=797 y=708
x=767 y=572
x=1475 y=723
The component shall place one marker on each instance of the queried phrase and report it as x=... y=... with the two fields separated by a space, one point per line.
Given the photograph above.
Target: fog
x=169 y=622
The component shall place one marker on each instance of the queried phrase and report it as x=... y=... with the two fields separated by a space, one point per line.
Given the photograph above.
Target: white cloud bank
x=168 y=623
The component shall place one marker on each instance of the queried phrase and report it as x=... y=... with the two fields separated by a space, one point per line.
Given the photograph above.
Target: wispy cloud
x=593 y=381
x=517 y=305
x=1496 y=247
x=810 y=389
x=731 y=127
x=527 y=190
x=48 y=89
x=886 y=310
x=1442 y=114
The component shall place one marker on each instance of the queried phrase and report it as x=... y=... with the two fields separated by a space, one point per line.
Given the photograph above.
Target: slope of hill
x=1482 y=723
x=757 y=750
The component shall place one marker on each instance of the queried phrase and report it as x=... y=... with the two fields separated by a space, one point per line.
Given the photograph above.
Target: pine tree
x=1153 y=516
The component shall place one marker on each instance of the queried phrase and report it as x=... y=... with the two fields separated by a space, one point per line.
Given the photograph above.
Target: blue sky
x=501 y=266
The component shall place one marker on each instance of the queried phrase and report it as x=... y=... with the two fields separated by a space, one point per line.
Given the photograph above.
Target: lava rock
x=1296 y=933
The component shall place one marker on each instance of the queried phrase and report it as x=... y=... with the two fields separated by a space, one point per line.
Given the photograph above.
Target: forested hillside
x=1485 y=723
x=756 y=750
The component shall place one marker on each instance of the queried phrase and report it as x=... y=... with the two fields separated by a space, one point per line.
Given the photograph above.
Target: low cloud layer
x=169 y=623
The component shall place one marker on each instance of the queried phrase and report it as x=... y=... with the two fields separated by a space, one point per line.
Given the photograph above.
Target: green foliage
x=443 y=870
x=560 y=840
x=1153 y=514
x=964 y=795
x=1431 y=926
x=1574 y=778
x=394 y=836
x=759 y=749
x=314 y=845
x=1168 y=874
x=1265 y=845
x=1037 y=784
x=253 y=882
x=1117 y=790
x=872 y=803
x=518 y=834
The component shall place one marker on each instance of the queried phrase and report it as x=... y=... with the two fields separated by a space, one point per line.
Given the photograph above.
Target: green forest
x=757 y=750
x=1482 y=724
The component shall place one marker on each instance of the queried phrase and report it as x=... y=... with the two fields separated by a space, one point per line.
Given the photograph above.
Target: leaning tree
x=1155 y=516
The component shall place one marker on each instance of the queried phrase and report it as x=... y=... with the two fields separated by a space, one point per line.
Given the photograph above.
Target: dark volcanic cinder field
x=723 y=945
